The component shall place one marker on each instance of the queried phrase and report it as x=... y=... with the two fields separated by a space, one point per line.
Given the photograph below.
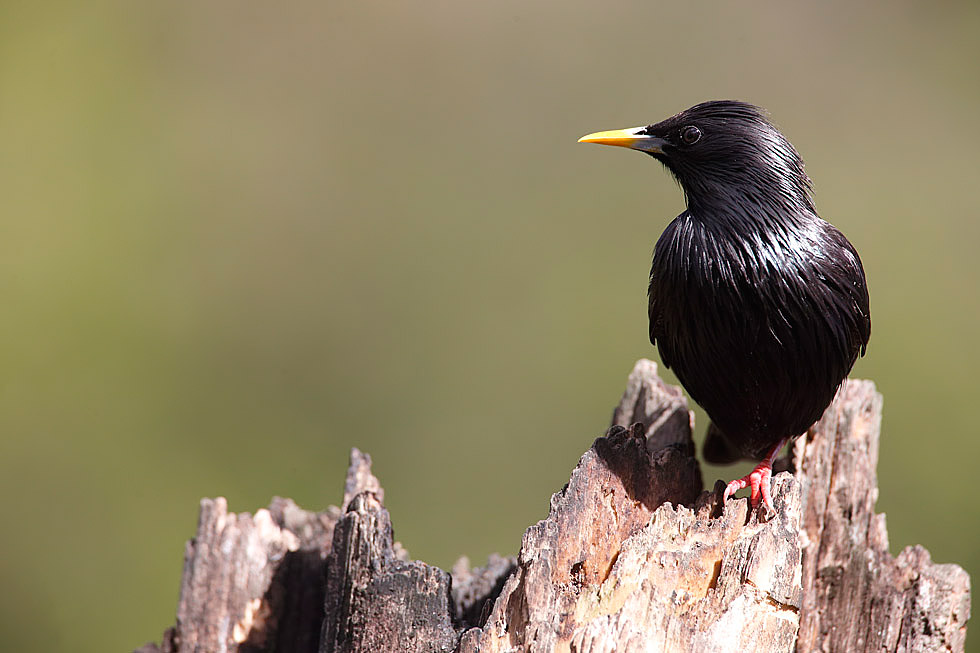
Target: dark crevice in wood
x=475 y=591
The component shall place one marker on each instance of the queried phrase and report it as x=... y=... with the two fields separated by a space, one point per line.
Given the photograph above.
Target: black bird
x=758 y=305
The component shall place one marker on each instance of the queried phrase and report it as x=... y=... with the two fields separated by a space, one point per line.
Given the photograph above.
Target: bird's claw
x=758 y=480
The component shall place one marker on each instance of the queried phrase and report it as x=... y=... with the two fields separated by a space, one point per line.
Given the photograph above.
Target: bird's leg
x=758 y=479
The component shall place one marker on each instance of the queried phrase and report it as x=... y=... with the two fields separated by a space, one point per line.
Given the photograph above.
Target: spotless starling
x=758 y=305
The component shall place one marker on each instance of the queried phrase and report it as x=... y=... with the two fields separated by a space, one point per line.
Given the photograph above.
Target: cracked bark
x=633 y=556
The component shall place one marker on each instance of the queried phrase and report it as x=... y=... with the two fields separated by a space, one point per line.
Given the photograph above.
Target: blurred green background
x=239 y=238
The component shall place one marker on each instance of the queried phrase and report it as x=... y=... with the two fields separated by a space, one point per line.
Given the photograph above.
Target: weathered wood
x=252 y=583
x=475 y=590
x=257 y=583
x=632 y=557
x=376 y=601
x=857 y=597
x=661 y=408
x=379 y=600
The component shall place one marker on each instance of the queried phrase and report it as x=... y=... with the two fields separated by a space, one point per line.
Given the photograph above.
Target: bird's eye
x=690 y=135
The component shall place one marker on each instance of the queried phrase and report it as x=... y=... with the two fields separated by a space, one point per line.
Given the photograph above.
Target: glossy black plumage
x=758 y=305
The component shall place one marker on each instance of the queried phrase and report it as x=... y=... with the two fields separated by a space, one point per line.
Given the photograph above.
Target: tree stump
x=633 y=556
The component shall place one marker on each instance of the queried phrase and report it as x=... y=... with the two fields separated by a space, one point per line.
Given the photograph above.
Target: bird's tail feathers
x=718 y=450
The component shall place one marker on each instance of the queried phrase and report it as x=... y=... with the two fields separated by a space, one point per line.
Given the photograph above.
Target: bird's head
x=721 y=151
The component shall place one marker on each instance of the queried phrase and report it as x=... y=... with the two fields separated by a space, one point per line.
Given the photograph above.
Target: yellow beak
x=631 y=138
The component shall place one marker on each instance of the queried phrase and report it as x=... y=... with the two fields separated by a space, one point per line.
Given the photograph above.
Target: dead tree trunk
x=632 y=557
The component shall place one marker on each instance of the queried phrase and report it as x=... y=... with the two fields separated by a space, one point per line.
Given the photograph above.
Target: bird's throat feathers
x=746 y=192
x=767 y=204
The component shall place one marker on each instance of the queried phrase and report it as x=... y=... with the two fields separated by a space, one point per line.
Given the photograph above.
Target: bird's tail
x=718 y=450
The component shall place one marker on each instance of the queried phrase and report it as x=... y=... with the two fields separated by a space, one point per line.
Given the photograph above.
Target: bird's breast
x=748 y=326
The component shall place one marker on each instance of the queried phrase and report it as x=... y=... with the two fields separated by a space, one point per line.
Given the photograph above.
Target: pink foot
x=759 y=480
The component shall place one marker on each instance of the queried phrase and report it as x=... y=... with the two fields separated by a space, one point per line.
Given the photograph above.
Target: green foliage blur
x=239 y=238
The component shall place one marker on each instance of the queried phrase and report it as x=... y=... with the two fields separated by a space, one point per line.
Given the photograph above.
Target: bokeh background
x=239 y=238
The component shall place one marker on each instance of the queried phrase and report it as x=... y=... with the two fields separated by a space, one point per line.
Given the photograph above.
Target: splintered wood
x=633 y=556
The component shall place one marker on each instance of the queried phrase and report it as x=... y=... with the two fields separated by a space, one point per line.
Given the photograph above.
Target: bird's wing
x=863 y=301
x=654 y=312
x=667 y=246
x=718 y=449
x=856 y=290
